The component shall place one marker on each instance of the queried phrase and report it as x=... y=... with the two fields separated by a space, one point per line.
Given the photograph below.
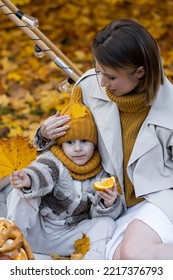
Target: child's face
x=79 y=151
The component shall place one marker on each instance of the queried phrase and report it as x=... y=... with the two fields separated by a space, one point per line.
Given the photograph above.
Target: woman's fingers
x=54 y=127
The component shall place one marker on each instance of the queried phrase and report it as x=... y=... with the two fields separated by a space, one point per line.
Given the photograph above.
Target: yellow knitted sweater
x=133 y=111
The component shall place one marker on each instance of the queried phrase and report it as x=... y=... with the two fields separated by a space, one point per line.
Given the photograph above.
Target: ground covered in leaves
x=29 y=86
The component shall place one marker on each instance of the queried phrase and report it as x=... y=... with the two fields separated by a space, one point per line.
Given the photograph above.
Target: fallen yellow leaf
x=81 y=246
x=16 y=154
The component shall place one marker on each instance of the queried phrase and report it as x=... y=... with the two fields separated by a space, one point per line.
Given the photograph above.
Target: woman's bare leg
x=140 y=242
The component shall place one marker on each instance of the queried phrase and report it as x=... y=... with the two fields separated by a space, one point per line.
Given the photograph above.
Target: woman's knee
x=137 y=241
x=129 y=252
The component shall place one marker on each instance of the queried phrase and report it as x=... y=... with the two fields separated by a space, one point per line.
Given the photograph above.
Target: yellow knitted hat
x=82 y=125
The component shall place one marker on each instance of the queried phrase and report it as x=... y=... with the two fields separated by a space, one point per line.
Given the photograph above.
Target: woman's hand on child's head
x=54 y=127
x=109 y=196
x=19 y=179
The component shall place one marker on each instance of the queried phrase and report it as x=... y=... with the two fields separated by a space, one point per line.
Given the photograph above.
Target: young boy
x=53 y=200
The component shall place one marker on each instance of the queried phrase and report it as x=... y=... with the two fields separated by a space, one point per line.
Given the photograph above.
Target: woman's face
x=119 y=82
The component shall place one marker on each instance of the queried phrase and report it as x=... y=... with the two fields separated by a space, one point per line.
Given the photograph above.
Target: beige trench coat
x=150 y=167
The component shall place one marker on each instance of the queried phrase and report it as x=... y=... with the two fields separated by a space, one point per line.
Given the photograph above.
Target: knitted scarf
x=133 y=111
x=79 y=172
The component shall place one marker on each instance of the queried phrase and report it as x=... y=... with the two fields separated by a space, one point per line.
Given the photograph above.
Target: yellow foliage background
x=29 y=86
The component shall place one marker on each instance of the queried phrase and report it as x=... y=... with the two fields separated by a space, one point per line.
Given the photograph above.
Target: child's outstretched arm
x=19 y=179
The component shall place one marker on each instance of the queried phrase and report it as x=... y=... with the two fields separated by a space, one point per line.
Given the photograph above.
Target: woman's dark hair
x=126 y=45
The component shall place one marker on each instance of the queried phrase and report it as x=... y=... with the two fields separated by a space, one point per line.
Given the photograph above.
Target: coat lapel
x=109 y=134
x=144 y=142
x=161 y=114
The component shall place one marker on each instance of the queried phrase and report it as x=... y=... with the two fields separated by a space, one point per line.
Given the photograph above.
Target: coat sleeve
x=114 y=211
x=155 y=181
x=163 y=200
x=40 y=143
x=44 y=173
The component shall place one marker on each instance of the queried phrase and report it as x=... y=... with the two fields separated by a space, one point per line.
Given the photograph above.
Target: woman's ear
x=140 y=72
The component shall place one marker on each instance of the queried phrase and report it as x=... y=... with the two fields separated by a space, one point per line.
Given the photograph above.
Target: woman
x=131 y=101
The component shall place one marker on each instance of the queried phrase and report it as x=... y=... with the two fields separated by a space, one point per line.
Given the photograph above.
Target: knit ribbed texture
x=133 y=111
x=82 y=124
x=79 y=172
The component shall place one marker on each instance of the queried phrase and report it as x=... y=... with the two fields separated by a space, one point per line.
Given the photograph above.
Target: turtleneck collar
x=79 y=172
x=130 y=102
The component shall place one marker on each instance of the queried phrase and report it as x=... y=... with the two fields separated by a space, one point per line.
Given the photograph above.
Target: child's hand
x=19 y=179
x=108 y=196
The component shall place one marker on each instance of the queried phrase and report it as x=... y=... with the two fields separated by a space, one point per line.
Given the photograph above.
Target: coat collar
x=106 y=115
x=95 y=91
x=161 y=109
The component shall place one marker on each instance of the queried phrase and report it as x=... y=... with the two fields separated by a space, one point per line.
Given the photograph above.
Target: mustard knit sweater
x=133 y=111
